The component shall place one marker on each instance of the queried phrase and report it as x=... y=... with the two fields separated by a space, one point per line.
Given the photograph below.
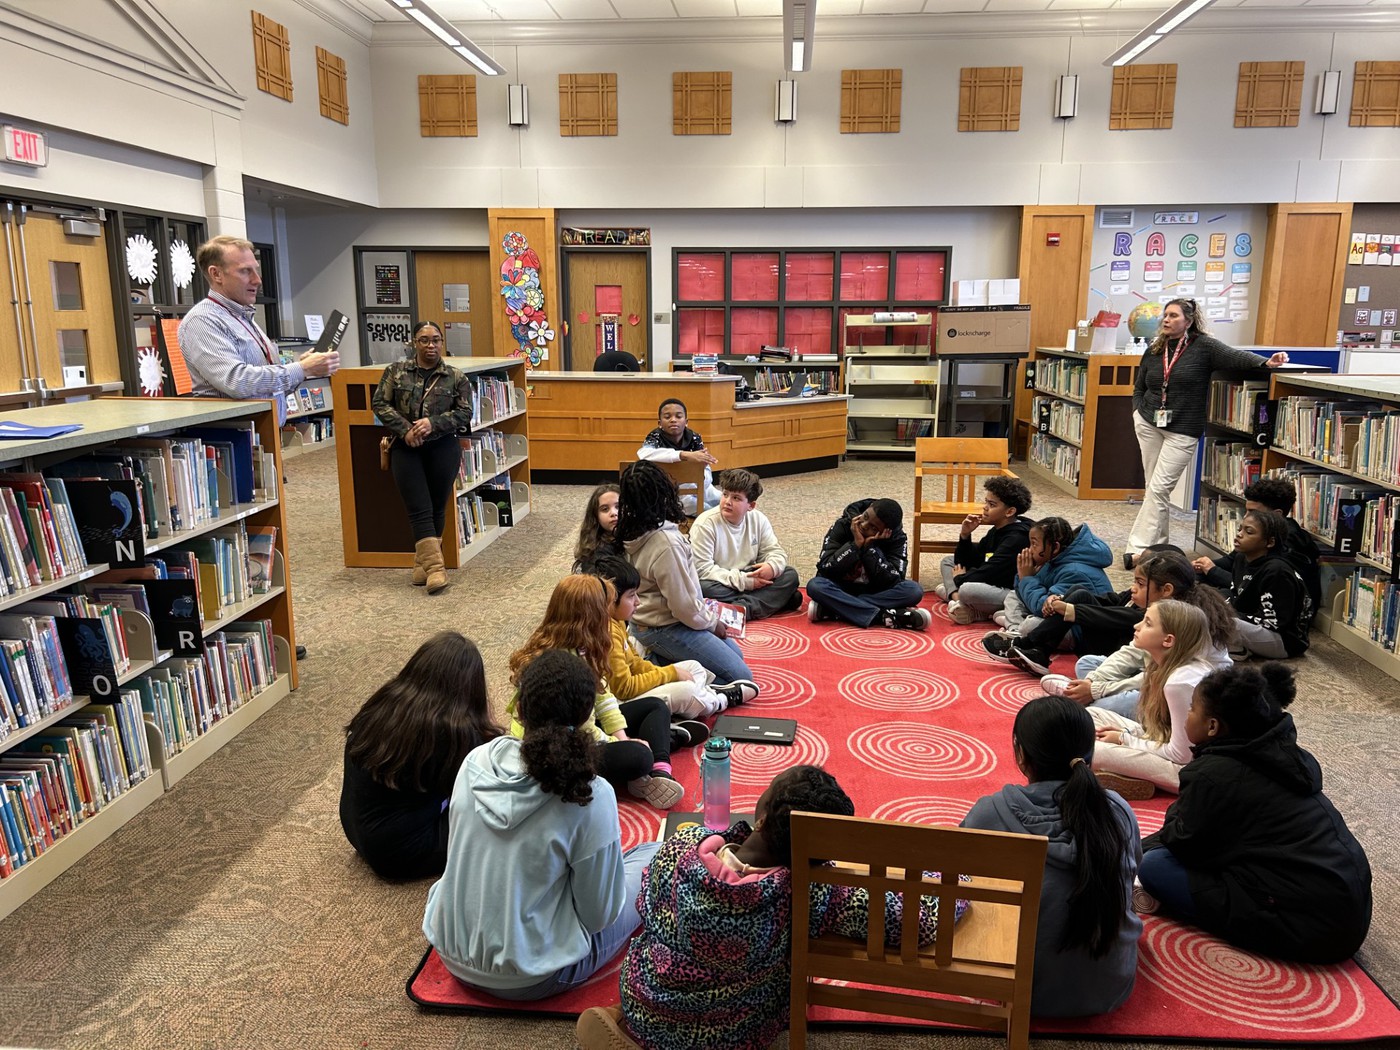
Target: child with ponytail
x=1252 y=851
x=538 y=894
x=1086 y=941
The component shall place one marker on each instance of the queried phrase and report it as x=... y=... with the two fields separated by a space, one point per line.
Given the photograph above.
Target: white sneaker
x=941 y=592
x=959 y=613
x=1000 y=618
x=1055 y=684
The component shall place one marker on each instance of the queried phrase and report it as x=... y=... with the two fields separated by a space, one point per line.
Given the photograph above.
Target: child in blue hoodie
x=538 y=894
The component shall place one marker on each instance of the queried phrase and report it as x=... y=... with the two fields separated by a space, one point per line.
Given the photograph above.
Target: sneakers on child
x=941 y=592
x=688 y=733
x=815 y=612
x=1001 y=619
x=1030 y=659
x=1143 y=902
x=739 y=691
x=959 y=613
x=1130 y=788
x=999 y=643
x=908 y=619
x=600 y=1028
x=1239 y=656
x=660 y=790
x=794 y=602
x=1055 y=684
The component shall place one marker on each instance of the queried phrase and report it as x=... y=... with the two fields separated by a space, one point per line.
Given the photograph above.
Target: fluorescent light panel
x=1163 y=24
x=799 y=24
x=444 y=31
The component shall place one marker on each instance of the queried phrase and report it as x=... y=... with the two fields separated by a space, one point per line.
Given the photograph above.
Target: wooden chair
x=986 y=961
x=961 y=463
x=689 y=477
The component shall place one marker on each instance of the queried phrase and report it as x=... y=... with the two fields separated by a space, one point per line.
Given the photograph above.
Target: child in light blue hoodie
x=538 y=894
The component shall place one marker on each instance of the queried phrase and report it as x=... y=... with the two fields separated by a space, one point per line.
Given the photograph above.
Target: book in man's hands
x=733 y=617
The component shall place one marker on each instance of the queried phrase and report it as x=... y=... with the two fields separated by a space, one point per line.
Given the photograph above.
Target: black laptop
x=750 y=729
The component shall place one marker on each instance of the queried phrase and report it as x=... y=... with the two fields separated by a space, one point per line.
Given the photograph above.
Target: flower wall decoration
x=181 y=264
x=525 y=308
x=141 y=259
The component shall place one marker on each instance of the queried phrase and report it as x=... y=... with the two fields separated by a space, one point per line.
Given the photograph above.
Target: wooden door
x=601 y=283
x=1300 y=295
x=455 y=289
x=72 y=294
x=11 y=326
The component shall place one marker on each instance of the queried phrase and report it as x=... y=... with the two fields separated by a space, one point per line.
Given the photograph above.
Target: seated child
x=977 y=577
x=597 y=536
x=1270 y=600
x=861 y=574
x=1059 y=559
x=736 y=554
x=1134 y=755
x=393 y=803
x=711 y=965
x=537 y=895
x=1087 y=933
x=1252 y=851
x=685 y=685
x=672 y=441
x=1300 y=550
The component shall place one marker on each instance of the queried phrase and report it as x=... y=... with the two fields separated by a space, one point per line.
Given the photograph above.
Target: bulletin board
x=1151 y=254
x=1370 y=318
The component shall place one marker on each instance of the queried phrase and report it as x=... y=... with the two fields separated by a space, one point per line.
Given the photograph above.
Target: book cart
x=1338 y=438
x=892 y=380
x=208 y=656
x=493 y=483
x=1081 y=423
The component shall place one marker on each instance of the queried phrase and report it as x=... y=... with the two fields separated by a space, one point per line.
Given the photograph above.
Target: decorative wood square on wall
x=1144 y=97
x=989 y=99
x=272 y=57
x=1375 y=95
x=701 y=103
x=870 y=100
x=1269 y=95
x=587 y=104
x=447 y=106
x=330 y=82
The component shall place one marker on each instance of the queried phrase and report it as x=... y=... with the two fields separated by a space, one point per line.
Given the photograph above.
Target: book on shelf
x=262 y=541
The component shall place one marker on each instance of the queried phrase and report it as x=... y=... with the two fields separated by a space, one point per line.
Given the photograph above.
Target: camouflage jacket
x=407 y=393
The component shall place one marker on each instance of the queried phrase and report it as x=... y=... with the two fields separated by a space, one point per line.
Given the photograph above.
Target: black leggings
x=425 y=477
x=649 y=719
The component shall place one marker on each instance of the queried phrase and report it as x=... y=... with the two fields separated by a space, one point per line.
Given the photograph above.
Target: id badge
x=1163 y=417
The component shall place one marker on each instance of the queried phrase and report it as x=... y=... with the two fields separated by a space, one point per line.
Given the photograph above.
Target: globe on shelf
x=1144 y=320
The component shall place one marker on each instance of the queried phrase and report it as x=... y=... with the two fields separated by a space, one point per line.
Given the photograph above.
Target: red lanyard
x=251 y=329
x=1168 y=363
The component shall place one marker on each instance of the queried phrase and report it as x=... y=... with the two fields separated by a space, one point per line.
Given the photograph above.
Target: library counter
x=590 y=422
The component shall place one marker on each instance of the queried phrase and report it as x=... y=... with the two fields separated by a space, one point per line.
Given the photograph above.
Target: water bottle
x=714 y=773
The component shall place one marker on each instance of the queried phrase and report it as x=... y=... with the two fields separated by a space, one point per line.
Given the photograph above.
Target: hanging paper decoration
x=633 y=320
x=141 y=259
x=181 y=264
x=150 y=372
x=525 y=308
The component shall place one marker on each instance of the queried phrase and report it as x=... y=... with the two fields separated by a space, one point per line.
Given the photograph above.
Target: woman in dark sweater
x=1252 y=850
x=1170 y=400
x=402 y=753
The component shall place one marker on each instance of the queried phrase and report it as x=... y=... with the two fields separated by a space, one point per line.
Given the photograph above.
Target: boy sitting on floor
x=861 y=574
x=736 y=554
x=977 y=577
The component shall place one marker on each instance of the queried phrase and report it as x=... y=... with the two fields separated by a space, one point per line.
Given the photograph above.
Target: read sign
x=25 y=147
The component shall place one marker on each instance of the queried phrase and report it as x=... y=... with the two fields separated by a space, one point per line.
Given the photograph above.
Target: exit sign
x=26 y=147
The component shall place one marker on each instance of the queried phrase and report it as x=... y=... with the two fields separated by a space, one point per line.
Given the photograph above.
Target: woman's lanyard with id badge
x=1163 y=416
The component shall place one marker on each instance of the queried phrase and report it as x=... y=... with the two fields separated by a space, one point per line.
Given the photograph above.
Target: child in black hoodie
x=1271 y=602
x=1252 y=850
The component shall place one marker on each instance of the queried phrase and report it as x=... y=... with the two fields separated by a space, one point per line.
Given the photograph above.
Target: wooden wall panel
x=870 y=100
x=447 y=106
x=272 y=59
x=1144 y=97
x=330 y=84
x=587 y=104
x=1375 y=95
x=1269 y=95
x=1300 y=294
x=989 y=99
x=701 y=103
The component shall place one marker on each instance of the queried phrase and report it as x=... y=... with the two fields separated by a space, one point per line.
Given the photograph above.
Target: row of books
x=1234 y=403
x=1373 y=606
x=1055 y=456
x=1220 y=517
x=305 y=399
x=482 y=455
x=1055 y=375
x=39 y=537
x=1360 y=437
x=313 y=431
x=773 y=381
x=1064 y=418
x=1232 y=465
x=492 y=398
x=906 y=430
x=1320 y=495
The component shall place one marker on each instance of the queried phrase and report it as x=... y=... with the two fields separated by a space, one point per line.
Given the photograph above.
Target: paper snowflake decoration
x=141 y=259
x=181 y=264
x=150 y=372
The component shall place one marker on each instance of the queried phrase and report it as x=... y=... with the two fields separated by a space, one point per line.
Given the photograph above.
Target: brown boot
x=432 y=565
x=420 y=553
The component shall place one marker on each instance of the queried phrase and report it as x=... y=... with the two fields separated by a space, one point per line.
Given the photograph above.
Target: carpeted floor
x=233 y=914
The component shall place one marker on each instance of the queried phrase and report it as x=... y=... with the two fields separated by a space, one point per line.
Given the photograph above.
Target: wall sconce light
x=785 y=104
x=1067 y=97
x=1329 y=89
x=518 y=105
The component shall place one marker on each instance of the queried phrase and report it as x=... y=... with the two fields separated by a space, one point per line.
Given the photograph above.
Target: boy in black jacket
x=1271 y=602
x=861 y=574
x=977 y=577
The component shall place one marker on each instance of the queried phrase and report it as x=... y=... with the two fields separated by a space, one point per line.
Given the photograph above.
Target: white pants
x=693 y=699
x=1164 y=457
x=1131 y=761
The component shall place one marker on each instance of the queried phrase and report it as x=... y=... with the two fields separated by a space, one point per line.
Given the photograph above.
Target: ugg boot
x=432 y=565
x=420 y=553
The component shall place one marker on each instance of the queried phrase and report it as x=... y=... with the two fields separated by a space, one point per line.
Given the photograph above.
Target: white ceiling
x=516 y=11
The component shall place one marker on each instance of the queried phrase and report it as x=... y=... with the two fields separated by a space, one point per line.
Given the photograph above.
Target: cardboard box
x=986 y=330
x=1004 y=293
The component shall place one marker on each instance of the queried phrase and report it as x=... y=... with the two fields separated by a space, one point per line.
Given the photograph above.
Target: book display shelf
x=892 y=380
x=823 y=376
x=493 y=483
x=310 y=424
x=1081 y=422
x=1338 y=438
x=145 y=613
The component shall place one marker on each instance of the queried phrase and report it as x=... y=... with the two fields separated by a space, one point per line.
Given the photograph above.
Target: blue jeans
x=862 y=608
x=1163 y=876
x=1124 y=703
x=676 y=642
x=606 y=942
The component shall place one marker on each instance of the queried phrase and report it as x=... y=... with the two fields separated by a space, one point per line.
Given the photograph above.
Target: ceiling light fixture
x=1160 y=26
x=444 y=30
x=799 y=24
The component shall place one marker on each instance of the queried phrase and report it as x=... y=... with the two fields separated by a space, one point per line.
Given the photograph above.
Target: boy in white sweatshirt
x=738 y=557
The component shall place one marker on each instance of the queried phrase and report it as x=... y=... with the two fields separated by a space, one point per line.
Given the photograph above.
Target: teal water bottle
x=714 y=774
